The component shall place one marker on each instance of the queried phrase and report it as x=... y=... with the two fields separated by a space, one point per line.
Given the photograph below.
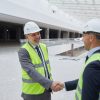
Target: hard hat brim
x=33 y=32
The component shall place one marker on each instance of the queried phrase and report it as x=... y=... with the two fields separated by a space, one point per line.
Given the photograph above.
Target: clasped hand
x=57 y=86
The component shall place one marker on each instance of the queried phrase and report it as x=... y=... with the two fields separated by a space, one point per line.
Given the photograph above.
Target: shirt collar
x=33 y=45
x=92 y=51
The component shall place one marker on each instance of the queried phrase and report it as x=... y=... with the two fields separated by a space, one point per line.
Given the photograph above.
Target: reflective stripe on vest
x=29 y=81
x=39 y=65
x=29 y=86
x=78 y=92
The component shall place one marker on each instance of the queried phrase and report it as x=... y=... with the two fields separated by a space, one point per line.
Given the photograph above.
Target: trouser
x=45 y=96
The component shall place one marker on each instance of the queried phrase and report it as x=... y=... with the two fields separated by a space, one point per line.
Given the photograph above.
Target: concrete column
x=67 y=34
x=18 y=33
x=47 y=33
x=6 y=34
x=73 y=35
x=59 y=33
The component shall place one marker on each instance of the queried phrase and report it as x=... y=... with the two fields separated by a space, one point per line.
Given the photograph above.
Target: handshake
x=57 y=86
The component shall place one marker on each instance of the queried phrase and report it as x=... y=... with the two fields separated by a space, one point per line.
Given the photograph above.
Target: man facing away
x=88 y=85
x=37 y=82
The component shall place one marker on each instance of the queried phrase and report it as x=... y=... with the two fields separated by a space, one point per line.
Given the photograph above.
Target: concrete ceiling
x=81 y=9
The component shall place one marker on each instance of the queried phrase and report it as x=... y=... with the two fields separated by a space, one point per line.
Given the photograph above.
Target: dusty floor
x=63 y=69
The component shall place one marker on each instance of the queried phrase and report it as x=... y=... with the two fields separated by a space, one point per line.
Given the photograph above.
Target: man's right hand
x=57 y=86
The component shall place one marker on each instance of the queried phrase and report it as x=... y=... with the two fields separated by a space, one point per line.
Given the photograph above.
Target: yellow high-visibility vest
x=29 y=86
x=78 y=92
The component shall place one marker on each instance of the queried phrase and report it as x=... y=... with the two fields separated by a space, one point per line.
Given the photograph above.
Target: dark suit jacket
x=71 y=85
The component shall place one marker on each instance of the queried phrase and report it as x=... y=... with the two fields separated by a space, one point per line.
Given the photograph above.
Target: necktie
x=42 y=59
x=46 y=69
x=39 y=53
x=86 y=58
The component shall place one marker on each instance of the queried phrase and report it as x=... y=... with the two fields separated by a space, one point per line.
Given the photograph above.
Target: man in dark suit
x=88 y=85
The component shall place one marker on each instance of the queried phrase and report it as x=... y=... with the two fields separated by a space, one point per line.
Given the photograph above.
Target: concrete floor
x=63 y=69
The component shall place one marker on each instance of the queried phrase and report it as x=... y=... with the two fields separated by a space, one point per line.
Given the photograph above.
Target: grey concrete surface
x=10 y=77
x=63 y=69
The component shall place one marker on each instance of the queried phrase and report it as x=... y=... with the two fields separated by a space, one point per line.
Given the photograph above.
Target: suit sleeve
x=26 y=64
x=71 y=85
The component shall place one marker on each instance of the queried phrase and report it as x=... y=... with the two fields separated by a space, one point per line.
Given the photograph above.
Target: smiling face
x=34 y=37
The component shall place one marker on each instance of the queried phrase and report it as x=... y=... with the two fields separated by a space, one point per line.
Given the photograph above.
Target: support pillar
x=59 y=33
x=47 y=33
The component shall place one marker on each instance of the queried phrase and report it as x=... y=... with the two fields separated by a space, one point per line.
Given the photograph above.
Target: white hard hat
x=92 y=25
x=31 y=27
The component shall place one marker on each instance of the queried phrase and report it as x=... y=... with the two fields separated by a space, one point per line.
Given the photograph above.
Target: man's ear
x=26 y=36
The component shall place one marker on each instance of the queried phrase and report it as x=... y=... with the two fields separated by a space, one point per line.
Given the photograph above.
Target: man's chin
x=37 y=42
